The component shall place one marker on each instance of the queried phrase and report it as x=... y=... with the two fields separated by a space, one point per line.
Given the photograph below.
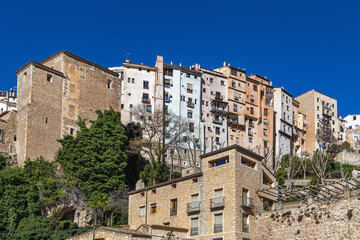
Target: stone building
x=283 y=107
x=352 y=136
x=352 y=120
x=216 y=203
x=53 y=94
x=321 y=112
x=8 y=135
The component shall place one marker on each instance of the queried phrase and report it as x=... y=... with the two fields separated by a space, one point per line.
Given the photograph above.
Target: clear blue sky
x=301 y=45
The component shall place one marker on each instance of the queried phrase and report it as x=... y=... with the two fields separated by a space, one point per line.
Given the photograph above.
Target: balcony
x=245 y=228
x=219 y=97
x=167 y=99
x=173 y=211
x=219 y=109
x=247 y=202
x=194 y=231
x=250 y=133
x=193 y=207
x=326 y=106
x=145 y=100
x=190 y=104
x=327 y=113
x=217 y=122
x=217 y=203
x=218 y=228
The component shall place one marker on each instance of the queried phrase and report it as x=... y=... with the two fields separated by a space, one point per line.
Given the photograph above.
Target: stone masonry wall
x=334 y=220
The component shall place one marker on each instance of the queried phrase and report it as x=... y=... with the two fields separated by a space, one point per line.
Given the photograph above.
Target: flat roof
x=137 y=65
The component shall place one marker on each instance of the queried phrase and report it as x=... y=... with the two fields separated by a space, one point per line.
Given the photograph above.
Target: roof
x=238 y=148
x=229 y=66
x=125 y=231
x=257 y=75
x=219 y=74
x=172 y=181
x=69 y=54
x=41 y=66
x=317 y=92
x=184 y=69
x=137 y=65
x=283 y=89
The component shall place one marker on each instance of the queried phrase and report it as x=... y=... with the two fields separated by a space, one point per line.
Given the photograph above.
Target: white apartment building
x=214 y=110
x=8 y=101
x=283 y=106
x=352 y=120
x=137 y=87
x=182 y=96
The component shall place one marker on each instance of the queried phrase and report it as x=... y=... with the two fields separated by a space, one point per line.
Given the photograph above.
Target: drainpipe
x=146 y=204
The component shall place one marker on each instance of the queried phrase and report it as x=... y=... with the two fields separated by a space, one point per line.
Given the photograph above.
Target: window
x=133 y=80
x=14 y=138
x=49 y=78
x=287 y=107
x=131 y=106
x=218 y=223
x=109 y=84
x=222 y=82
x=233 y=72
x=46 y=120
x=251 y=110
x=217 y=140
x=233 y=84
x=219 y=162
x=148 y=108
x=153 y=208
x=237 y=140
x=252 y=99
x=255 y=88
x=354 y=118
x=168 y=72
x=235 y=108
x=145 y=98
x=2 y=135
x=267 y=205
x=265 y=132
x=217 y=130
x=247 y=162
x=211 y=80
x=317 y=99
x=191 y=127
x=71 y=131
x=204 y=90
x=187 y=75
x=129 y=80
x=146 y=84
x=245 y=222
x=265 y=144
x=142 y=211
x=173 y=207
x=265 y=111
x=189 y=88
x=318 y=108
x=250 y=140
x=189 y=114
x=194 y=227
x=265 y=122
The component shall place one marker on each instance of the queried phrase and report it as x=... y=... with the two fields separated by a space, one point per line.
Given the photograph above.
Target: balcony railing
x=173 y=211
x=247 y=202
x=194 y=231
x=219 y=97
x=218 y=228
x=146 y=100
x=327 y=107
x=217 y=122
x=193 y=207
x=190 y=104
x=217 y=203
x=213 y=108
x=167 y=99
x=245 y=227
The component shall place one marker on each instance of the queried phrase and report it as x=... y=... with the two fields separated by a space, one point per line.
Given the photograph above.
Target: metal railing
x=218 y=228
x=218 y=122
x=247 y=202
x=146 y=100
x=218 y=202
x=193 y=207
x=194 y=231
x=173 y=211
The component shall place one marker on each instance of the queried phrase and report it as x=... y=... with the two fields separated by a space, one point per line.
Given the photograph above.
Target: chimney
x=127 y=60
x=228 y=64
x=224 y=64
x=140 y=184
x=171 y=63
x=180 y=64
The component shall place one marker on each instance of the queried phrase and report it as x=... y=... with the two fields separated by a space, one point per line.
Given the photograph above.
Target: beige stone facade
x=8 y=137
x=53 y=95
x=299 y=129
x=321 y=112
x=105 y=233
x=220 y=201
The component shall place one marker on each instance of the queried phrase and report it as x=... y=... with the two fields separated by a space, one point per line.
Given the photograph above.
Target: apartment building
x=182 y=97
x=8 y=100
x=321 y=112
x=341 y=128
x=299 y=129
x=138 y=83
x=218 y=202
x=236 y=91
x=214 y=114
x=53 y=94
x=283 y=107
x=259 y=116
x=352 y=120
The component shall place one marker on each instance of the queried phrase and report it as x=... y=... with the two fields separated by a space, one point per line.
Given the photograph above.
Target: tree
x=2 y=161
x=320 y=163
x=95 y=160
x=160 y=132
x=289 y=168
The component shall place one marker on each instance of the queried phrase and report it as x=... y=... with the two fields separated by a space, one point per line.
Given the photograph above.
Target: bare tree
x=304 y=160
x=292 y=166
x=320 y=163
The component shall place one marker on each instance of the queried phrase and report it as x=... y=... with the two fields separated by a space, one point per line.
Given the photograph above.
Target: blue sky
x=301 y=45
